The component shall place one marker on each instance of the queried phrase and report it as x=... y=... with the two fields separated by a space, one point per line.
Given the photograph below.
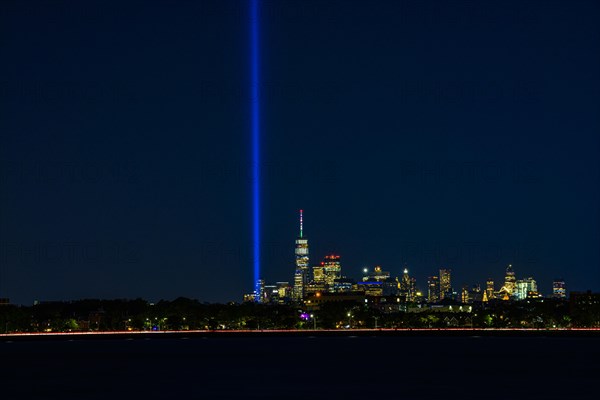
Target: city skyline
x=396 y=270
x=203 y=198
x=318 y=278
x=433 y=133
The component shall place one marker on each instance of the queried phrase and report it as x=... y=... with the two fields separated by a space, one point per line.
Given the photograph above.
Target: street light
x=314 y=321
x=350 y=320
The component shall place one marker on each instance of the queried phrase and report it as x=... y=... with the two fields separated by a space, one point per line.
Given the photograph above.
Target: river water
x=302 y=368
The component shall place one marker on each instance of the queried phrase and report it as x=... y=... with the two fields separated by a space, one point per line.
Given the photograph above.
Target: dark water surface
x=302 y=368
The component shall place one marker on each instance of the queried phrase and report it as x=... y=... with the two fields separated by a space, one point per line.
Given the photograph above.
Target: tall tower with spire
x=510 y=283
x=301 y=274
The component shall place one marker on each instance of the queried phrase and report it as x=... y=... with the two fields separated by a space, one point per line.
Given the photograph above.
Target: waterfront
x=310 y=366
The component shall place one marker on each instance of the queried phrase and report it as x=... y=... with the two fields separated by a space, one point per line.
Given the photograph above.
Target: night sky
x=421 y=133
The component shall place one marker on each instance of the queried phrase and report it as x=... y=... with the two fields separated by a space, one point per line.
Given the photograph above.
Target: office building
x=525 y=288
x=433 y=286
x=301 y=273
x=489 y=289
x=377 y=275
x=445 y=283
x=559 y=289
x=507 y=292
x=464 y=294
x=407 y=287
x=332 y=269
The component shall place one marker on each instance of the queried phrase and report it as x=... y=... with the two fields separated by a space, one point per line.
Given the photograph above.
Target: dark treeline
x=183 y=313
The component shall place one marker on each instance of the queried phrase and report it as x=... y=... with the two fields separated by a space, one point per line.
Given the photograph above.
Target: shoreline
x=190 y=334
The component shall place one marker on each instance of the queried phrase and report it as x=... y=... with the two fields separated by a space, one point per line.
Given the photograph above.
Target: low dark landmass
x=185 y=314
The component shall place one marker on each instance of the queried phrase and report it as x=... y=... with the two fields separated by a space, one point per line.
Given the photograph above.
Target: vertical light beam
x=255 y=111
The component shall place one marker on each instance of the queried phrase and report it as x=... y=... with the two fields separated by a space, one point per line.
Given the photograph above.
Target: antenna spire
x=300 y=223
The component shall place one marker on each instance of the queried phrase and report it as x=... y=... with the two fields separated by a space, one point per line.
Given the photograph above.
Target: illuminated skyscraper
x=559 y=289
x=284 y=289
x=260 y=287
x=408 y=287
x=380 y=279
x=433 y=285
x=525 y=288
x=301 y=274
x=270 y=294
x=318 y=274
x=332 y=269
x=489 y=289
x=445 y=283
x=476 y=294
x=464 y=294
x=510 y=284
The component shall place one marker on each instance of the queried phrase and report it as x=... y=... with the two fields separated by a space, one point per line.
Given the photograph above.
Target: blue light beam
x=255 y=111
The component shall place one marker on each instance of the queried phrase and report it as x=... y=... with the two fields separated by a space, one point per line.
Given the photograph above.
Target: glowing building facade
x=285 y=290
x=559 y=289
x=379 y=283
x=464 y=294
x=510 y=284
x=476 y=294
x=377 y=275
x=318 y=274
x=260 y=291
x=445 y=283
x=489 y=289
x=301 y=273
x=525 y=288
x=433 y=286
x=332 y=269
x=343 y=285
x=407 y=287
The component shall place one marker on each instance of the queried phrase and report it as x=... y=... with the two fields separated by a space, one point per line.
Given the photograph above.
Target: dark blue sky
x=424 y=133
